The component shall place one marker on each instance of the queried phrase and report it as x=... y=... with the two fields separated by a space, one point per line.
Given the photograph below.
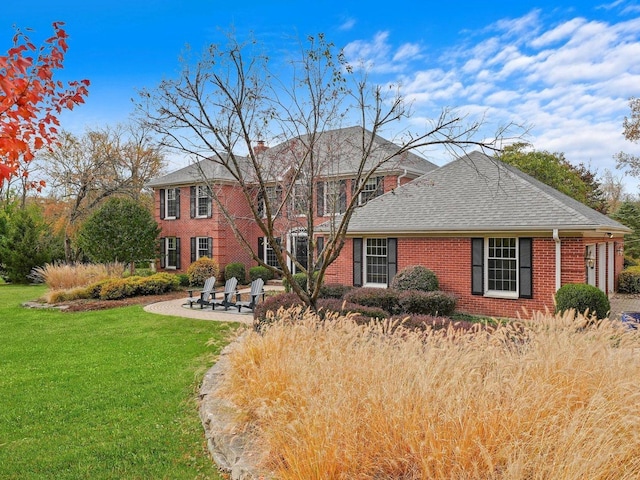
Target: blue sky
x=567 y=69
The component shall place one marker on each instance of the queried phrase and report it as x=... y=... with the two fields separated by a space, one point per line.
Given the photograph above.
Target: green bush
x=384 y=298
x=260 y=272
x=118 y=289
x=94 y=289
x=629 y=280
x=343 y=308
x=417 y=302
x=582 y=297
x=183 y=279
x=202 y=269
x=415 y=277
x=156 y=284
x=236 y=270
x=299 y=278
x=334 y=290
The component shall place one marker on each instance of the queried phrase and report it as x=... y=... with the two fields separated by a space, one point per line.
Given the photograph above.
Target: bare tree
x=103 y=162
x=229 y=99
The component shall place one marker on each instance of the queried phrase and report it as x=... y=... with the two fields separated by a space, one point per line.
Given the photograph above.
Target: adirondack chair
x=257 y=289
x=204 y=294
x=227 y=295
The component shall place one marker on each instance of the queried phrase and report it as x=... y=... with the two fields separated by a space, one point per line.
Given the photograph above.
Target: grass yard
x=102 y=394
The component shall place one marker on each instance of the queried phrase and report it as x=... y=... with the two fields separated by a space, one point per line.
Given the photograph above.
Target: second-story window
x=171 y=203
x=203 y=201
x=373 y=188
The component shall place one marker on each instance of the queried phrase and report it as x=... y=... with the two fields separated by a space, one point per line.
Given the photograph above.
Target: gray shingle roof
x=476 y=193
x=194 y=173
x=337 y=151
x=340 y=151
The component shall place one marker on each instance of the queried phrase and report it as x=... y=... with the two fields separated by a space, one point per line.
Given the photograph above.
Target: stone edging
x=227 y=444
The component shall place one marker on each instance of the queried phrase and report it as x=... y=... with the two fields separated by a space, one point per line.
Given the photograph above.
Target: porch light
x=591 y=262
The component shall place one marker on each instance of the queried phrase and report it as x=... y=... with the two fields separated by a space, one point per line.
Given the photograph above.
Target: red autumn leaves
x=31 y=99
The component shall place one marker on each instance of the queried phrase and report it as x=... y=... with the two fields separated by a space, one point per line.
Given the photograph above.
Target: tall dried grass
x=543 y=399
x=61 y=276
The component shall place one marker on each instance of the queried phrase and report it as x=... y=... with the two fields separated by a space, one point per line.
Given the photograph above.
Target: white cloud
x=569 y=79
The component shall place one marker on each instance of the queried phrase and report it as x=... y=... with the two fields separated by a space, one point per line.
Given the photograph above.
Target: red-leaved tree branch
x=31 y=98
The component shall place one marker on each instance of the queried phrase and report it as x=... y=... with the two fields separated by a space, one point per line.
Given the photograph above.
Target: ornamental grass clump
x=62 y=276
x=536 y=399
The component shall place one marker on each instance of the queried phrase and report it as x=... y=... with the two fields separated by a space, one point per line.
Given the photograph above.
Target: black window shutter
x=178 y=253
x=525 y=266
x=343 y=197
x=261 y=248
x=194 y=252
x=177 y=203
x=477 y=266
x=163 y=252
x=192 y=202
x=357 y=262
x=320 y=198
x=392 y=259
x=162 y=214
x=210 y=247
x=319 y=249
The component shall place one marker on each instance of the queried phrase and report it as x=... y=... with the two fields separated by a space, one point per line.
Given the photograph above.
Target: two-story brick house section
x=192 y=227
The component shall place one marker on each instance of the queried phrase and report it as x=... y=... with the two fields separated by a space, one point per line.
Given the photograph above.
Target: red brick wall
x=450 y=259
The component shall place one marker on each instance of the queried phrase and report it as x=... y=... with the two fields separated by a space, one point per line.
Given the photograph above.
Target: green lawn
x=106 y=394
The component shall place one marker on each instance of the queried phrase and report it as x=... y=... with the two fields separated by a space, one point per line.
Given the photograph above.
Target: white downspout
x=556 y=239
x=401 y=176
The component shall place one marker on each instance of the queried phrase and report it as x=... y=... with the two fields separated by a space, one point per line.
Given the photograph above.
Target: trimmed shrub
x=415 y=277
x=342 y=307
x=183 y=279
x=118 y=289
x=202 y=269
x=438 y=304
x=237 y=270
x=582 y=297
x=384 y=298
x=156 y=284
x=334 y=290
x=425 y=322
x=260 y=272
x=273 y=304
x=629 y=280
x=95 y=288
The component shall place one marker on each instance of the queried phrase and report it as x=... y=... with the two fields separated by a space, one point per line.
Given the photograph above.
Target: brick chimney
x=260 y=148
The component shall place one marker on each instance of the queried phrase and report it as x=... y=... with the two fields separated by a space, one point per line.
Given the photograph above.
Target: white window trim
x=202 y=197
x=166 y=204
x=364 y=263
x=272 y=198
x=326 y=201
x=372 y=181
x=501 y=293
x=198 y=247
x=166 y=253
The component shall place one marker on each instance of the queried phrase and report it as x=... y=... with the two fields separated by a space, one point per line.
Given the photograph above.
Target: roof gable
x=476 y=193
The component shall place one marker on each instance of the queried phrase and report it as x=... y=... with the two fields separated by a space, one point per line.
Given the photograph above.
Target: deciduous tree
x=554 y=170
x=229 y=98
x=31 y=98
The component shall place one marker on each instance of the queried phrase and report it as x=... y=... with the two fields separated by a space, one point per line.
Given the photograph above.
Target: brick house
x=497 y=238
x=192 y=225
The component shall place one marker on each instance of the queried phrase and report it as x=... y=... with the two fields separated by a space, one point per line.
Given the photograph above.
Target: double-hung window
x=375 y=264
x=502 y=267
x=273 y=197
x=203 y=202
x=332 y=197
x=371 y=189
x=171 y=252
x=171 y=203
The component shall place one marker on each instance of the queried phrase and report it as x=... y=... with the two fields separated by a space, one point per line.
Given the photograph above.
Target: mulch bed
x=85 y=305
